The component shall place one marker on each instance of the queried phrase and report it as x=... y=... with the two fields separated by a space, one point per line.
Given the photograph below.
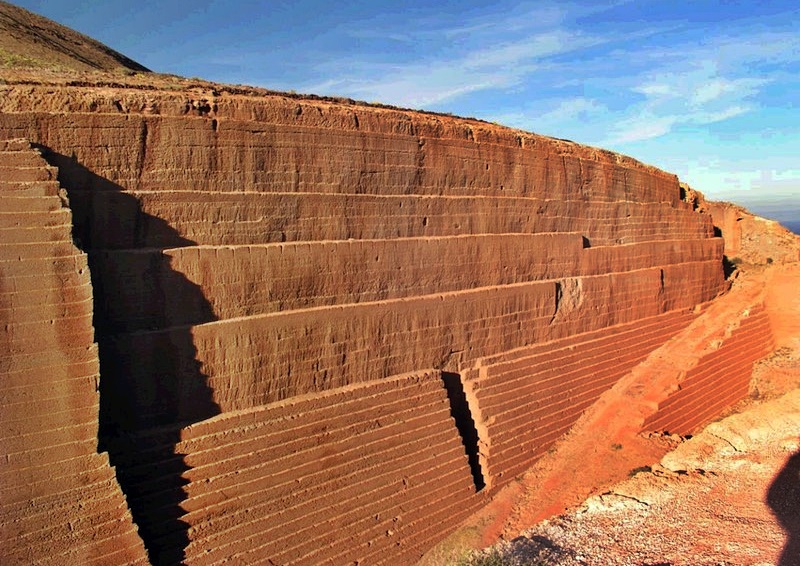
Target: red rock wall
x=360 y=473
x=59 y=500
x=262 y=256
x=720 y=378
x=530 y=397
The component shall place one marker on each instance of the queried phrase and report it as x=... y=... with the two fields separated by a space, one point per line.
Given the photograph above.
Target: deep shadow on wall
x=141 y=447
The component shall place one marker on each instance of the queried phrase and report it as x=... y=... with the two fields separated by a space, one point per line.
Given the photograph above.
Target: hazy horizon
x=701 y=89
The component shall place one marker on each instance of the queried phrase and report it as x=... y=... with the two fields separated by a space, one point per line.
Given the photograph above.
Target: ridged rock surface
x=329 y=332
x=59 y=500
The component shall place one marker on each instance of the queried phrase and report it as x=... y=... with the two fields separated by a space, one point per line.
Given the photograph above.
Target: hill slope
x=30 y=40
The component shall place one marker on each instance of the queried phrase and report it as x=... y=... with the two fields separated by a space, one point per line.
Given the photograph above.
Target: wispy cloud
x=686 y=98
x=494 y=52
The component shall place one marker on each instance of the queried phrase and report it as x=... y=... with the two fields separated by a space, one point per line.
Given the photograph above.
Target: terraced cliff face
x=59 y=500
x=329 y=332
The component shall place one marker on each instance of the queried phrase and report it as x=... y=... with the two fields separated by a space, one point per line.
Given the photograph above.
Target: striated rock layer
x=59 y=500
x=329 y=332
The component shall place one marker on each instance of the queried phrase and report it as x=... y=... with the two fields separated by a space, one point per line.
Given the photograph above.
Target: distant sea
x=793 y=225
x=785 y=210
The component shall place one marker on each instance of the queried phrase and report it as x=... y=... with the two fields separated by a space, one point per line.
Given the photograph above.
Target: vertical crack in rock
x=460 y=411
x=142 y=156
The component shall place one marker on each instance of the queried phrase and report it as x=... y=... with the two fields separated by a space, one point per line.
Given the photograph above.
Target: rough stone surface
x=752 y=239
x=327 y=331
x=59 y=500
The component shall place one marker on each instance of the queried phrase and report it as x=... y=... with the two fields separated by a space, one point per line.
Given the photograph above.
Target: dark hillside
x=29 y=40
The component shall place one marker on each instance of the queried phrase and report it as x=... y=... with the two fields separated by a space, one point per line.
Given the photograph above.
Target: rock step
x=313 y=274
x=83 y=535
x=17 y=492
x=49 y=308
x=31 y=392
x=29 y=190
x=719 y=379
x=342 y=457
x=556 y=419
x=518 y=460
x=118 y=539
x=49 y=299
x=50 y=272
x=39 y=336
x=249 y=342
x=29 y=205
x=16 y=144
x=11 y=237
x=42 y=377
x=33 y=219
x=316 y=544
x=67 y=424
x=554 y=392
x=123 y=220
x=427 y=511
x=50 y=454
x=560 y=384
x=19 y=158
x=542 y=371
x=702 y=398
x=291 y=540
x=232 y=427
x=557 y=353
x=125 y=548
x=29 y=174
x=380 y=469
x=312 y=505
x=519 y=358
x=36 y=250
x=407 y=544
x=65 y=493
x=358 y=460
x=238 y=459
x=252 y=466
x=24 y=362
x=498 y=317
x=52 y=524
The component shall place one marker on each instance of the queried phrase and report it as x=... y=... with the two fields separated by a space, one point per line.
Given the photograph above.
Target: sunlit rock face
x=329 y=332
x=59 y=500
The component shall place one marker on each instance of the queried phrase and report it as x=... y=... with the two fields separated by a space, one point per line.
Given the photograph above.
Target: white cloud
x=642 y=127
x=419 y=85
x=495 y=52
x=654 y=89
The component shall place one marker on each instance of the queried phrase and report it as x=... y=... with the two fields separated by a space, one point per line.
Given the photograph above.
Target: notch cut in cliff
x=465 y=423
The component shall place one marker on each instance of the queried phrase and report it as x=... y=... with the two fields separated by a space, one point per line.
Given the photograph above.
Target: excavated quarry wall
x=59 y=500
x=719 y=379
x=329 y=332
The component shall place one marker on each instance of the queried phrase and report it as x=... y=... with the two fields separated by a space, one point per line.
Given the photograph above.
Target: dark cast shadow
x=151 y=382
x=783 y=498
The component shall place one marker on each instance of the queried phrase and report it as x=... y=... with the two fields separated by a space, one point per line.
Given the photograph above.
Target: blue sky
x=707 y=90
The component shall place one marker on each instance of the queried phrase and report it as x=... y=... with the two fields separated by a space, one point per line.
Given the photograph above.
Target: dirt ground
x=609 y=495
